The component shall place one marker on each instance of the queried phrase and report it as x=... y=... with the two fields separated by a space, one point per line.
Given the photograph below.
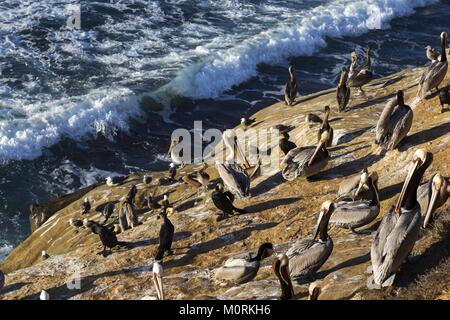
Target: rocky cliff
x=278 y=212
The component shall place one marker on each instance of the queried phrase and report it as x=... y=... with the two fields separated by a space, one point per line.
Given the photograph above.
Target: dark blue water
x=71 y=101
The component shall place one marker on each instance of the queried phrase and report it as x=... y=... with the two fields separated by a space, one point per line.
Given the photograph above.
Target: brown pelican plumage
x=432 y=195
x=240 y=270
x=306 y=161
x=280 y=267
x=399 y=228
x=290 y=90
x=356 y=186
x=199 y=178
x=326 y=127
x=233 y=174
x=359 y=77
x=432 y=54
x=394 y=123
x=351 y=213
x=435 y=73
x=342 y=91
x=307 y=255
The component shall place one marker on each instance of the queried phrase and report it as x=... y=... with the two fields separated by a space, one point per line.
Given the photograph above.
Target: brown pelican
x=432 y=195
x=198 y=178
x=326 y=127
x=233 y=174
x=175 y=154
x=280 y=267
x=342 y=91
x=285 y=144
x=353 y=214
x=356 y=186
x=399 y=228
x=444 y=98
x=431 y=53
x=290 y=91
x=157 y=272
x=240 y=270
x=358 y=78
x=394 y=123
x=307 y=255
x=435 y=73
x=306 y=161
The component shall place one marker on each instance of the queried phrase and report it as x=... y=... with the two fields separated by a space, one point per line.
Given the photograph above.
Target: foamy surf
x=298 y=34
x=43 y=125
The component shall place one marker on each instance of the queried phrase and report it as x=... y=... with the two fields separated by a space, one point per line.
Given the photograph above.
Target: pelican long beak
x=322 y=215
x=399 y=204
x=157 y=281
x=434 y=193
x=319 y=146
x=358 y=190
x=362 y=182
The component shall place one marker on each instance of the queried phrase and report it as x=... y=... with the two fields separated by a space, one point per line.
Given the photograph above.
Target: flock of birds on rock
x=356 y=205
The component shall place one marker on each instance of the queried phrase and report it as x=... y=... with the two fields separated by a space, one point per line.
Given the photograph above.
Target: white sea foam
x=301 y=33
x=45 y=124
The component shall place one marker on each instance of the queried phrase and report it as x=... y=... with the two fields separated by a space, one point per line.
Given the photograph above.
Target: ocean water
x=79 y=104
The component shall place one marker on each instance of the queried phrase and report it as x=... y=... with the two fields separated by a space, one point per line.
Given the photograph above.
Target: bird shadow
x=270 y=204
x=267 y=185
x=371 y=102
x=345 y=138
x=313 y=96
x=425 y=136
x=63 y=292
x=348 y=168
x=102 y=206
x=187 y=204
x=348 y=263
x=13 y=287
x=217 y=243
x=390 y=191
x=431 y=257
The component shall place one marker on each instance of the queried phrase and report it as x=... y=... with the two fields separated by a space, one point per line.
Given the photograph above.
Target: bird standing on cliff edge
x=85 y=206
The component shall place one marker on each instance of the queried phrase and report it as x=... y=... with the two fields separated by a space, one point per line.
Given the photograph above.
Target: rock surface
x=278 y=212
